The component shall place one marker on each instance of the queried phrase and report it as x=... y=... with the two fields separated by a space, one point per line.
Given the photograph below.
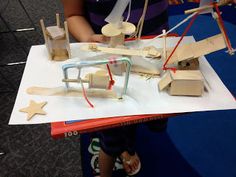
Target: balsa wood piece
x=128 y=28
x=117 y=34
x=185 y=52
x=121 y=51
x=183 y=83
x=75 y=80
x=118 y=40
x=57 y=41
x=111 y=30
x=152 y=52
x=197 y=49
x=98 y=81
x=142 y=18
x=220 y=3
x=222 y=32
x=55 y=32
x=33 y=109
x=58 y=20
x=45 y=37
x=187 y=88
x=165 y=81
x=68 y=39
x=142 y=70
x=61 y=91
x=164 y=45
x=198 y=9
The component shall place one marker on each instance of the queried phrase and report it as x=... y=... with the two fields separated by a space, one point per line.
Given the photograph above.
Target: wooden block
x=187 y=87
x=98 y=81
x=182 y=82
x=189 y=83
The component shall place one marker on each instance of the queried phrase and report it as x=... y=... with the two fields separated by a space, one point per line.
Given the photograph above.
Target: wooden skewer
x=74 y=80
x=223 y=34
x=164 y=45
x=67 y=38
x=221 y=3
x=58 y=20
x=45 y=37
x=198 y=9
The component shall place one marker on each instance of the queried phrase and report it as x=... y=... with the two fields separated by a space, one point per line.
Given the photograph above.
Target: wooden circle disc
x=128 y=28
x=110 y=30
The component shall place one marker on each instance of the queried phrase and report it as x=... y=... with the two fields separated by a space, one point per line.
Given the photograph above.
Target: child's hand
x=99 y=38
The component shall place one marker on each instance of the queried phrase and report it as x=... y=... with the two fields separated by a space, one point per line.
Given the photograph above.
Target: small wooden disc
x=110 y=30
x=128 y=28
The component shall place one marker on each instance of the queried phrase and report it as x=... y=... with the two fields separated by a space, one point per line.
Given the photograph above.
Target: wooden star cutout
x=34 y=108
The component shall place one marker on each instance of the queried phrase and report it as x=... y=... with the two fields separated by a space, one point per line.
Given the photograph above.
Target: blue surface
x=199 y=144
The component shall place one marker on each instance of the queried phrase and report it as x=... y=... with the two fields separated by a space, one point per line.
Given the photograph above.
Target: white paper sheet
x=142 y=97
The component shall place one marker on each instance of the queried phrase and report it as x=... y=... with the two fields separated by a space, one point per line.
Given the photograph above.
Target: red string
x=223 y=27
x=111 y=83
x=85 y=96
x=184 y=33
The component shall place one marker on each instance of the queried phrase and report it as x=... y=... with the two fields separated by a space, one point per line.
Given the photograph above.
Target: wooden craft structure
x=185 y=77
x=99 y=80
x=188 y=80
x=181 y=74
x=57 y=40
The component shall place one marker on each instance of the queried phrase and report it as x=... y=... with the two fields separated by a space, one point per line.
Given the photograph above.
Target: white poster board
x=142 y=96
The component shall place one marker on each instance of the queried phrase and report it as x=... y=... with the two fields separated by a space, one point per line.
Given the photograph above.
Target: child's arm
x=78 y=24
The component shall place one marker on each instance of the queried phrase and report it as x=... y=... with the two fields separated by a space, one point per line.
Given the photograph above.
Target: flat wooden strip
x=186 y=75
x=200 y=48
x=165 y=81
x=61 y=91
x=119 y=51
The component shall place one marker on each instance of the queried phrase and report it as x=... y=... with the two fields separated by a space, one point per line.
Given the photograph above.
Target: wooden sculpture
x=57 y=40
